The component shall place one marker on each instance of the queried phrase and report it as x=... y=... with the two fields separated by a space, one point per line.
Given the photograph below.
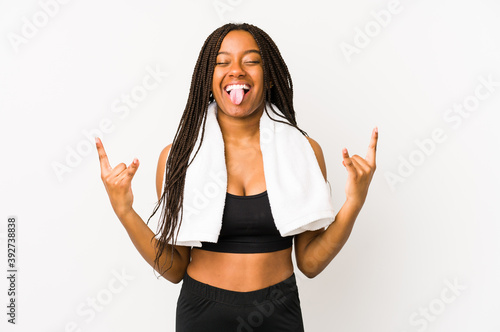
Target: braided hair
x=279 y=93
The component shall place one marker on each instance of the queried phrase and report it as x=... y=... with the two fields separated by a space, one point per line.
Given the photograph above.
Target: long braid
x=194 y=118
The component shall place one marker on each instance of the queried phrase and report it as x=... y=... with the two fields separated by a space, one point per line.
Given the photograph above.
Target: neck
x=240 y=128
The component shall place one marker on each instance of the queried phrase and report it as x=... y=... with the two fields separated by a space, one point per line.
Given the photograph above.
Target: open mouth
x=237 y=92
x=231 y=87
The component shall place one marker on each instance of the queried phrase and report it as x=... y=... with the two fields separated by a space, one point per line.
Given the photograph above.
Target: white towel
x=299 y=196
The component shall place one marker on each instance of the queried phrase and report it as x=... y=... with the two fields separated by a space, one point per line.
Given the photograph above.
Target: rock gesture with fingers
x=314 y=250
x=117 y=181
x=360 y=171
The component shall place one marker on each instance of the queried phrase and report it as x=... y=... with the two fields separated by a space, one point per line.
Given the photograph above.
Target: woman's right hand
x=117 y=181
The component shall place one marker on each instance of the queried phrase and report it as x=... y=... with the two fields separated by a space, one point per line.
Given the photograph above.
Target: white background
x=437 y=225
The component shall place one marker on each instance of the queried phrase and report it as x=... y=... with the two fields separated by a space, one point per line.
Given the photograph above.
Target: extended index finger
x=372 y=147
x=103 y=157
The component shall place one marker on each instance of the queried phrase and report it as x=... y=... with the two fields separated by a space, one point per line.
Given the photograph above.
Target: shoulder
x=164 y=152
x=319 y=155
x=315 y=145
x=160 y=170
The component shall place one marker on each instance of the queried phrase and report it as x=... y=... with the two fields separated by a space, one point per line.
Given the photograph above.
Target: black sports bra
x=248 y=227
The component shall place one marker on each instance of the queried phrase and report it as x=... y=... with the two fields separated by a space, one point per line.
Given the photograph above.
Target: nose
x=236 y=69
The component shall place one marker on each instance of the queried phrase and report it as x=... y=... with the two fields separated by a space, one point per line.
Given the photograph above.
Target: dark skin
x=239 y=62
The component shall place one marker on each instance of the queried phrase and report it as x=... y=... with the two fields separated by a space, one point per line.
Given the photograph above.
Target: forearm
x=143 y=239
x=326 y=245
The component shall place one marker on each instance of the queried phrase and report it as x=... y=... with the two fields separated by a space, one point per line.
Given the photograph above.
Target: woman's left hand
x=360 y=171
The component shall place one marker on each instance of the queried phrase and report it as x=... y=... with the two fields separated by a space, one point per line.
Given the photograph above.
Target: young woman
x=228 y=286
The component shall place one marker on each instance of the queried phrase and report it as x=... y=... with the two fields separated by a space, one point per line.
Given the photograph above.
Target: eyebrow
x=246 y=52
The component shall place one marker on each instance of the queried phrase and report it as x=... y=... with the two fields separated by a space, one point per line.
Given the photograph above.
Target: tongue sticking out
x=236 y=96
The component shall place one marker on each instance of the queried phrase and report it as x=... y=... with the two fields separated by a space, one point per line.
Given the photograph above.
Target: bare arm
x=314 y=250
x=117 y=182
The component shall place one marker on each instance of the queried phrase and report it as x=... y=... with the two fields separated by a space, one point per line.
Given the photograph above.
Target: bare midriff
x=240 y=272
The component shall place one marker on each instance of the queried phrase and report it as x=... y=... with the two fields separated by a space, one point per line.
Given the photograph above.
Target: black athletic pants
x=205 y=308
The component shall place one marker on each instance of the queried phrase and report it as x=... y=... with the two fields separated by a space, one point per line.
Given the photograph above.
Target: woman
x=224 y=289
